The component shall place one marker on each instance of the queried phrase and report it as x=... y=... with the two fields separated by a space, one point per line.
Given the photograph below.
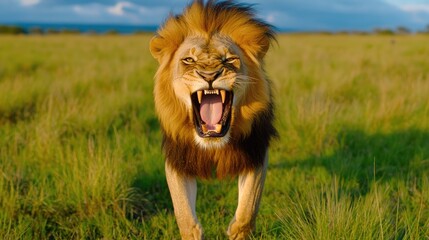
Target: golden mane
x=252 y=120
x=237 y=21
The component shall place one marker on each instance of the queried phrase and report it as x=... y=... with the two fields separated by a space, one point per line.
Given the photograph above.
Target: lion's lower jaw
x=211 y=142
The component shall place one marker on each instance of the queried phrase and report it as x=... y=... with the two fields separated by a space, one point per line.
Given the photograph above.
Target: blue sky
x=284 y=14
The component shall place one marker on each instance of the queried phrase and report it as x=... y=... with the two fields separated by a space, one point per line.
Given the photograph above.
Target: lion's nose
x=209 y=76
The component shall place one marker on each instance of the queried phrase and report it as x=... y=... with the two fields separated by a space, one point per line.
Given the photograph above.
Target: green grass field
x=80 y=154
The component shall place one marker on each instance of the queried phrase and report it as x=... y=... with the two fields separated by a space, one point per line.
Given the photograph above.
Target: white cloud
x=270 y=18
x=118 y=9
x=415 y=8
x=137 y=14
x=28 y=3
x=144 y=10
x=88 y=10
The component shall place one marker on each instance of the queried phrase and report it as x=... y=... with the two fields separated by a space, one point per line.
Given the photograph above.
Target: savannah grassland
x=80 y=153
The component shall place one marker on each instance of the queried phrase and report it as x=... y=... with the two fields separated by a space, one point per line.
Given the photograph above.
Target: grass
x=80 y=143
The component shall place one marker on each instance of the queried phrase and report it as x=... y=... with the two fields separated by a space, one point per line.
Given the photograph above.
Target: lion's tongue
x=211 y=110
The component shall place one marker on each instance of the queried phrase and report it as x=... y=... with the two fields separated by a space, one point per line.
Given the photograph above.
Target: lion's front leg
x=183 y=191
x=250 y=186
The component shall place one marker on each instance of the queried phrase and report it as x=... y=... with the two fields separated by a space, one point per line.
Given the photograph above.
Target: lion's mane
x=252 y=120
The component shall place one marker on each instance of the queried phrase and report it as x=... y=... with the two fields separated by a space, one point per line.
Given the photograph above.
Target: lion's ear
x=157 y=46
x=255 y=48
x=260 y=47
x=264 y=46
x=253 y=39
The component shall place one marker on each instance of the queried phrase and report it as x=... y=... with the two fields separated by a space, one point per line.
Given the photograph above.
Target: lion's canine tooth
x=218 y=128
x=204 y=128
x=200 y=96
x=223 y=95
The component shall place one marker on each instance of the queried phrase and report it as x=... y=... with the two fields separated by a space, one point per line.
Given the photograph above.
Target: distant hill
x=84 y=28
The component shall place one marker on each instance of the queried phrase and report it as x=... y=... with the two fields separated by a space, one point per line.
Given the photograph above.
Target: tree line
x=18 y=30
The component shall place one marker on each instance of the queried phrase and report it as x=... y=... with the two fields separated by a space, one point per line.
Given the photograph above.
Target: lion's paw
x=237 y=231
x=196 y=233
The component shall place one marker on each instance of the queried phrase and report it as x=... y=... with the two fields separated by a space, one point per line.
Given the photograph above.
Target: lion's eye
x=188 y=60
x=231 y=60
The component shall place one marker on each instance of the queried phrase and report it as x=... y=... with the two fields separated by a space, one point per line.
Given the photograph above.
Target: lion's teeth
x=204 y=128
x=218 y=128
x=211 y=92
x=223 y=95
x=200 y=96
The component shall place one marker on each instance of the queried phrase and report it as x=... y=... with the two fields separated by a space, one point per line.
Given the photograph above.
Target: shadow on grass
x=363 y=158
x=155 y=191
x=19 y=113
x=150 y=182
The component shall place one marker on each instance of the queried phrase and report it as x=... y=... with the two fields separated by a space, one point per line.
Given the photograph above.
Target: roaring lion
x=215 y=107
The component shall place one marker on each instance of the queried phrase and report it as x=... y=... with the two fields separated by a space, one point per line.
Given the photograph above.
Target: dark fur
x=239 y=155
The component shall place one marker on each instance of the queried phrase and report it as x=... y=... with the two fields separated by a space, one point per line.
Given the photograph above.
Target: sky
x=308 y=15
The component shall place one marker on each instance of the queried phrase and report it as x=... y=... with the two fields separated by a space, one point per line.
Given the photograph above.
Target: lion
x=215 y=107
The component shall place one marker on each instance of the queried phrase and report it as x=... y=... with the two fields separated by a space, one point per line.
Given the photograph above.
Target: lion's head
x=210 y=86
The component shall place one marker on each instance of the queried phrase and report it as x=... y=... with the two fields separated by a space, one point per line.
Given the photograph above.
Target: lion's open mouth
x=212 y=112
